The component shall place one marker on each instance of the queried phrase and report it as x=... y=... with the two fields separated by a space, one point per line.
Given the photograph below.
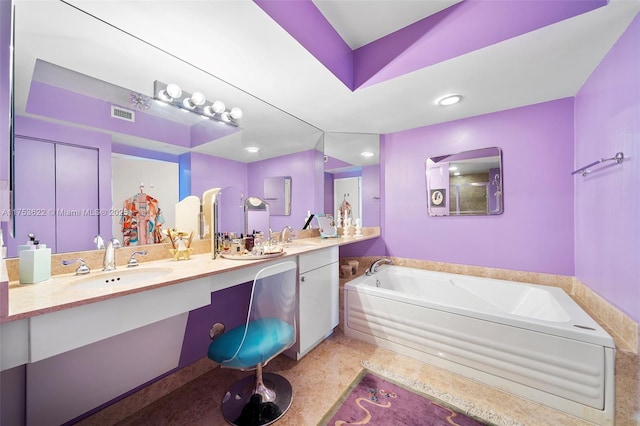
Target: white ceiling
x=240 y=44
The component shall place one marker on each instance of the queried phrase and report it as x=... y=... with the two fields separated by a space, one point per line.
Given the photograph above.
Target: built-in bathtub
x=530 y=340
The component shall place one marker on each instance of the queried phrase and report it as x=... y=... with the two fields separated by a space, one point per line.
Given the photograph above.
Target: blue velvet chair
x=269 y=330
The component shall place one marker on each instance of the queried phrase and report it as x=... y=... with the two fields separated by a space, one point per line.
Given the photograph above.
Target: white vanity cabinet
x=318 y=284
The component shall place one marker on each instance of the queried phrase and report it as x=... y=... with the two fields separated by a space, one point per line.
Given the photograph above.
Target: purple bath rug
x=372 y=400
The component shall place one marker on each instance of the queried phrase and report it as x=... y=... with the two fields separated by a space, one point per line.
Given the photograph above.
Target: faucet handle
x=133 y=261
x=83 y=269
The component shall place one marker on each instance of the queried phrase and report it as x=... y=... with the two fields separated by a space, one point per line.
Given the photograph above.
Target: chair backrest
x=273 y=306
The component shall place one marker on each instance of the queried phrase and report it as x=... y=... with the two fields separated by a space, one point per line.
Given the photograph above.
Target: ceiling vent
x=122 y=114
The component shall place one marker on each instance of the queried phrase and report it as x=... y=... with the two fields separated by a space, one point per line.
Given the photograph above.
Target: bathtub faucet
x=374 y=266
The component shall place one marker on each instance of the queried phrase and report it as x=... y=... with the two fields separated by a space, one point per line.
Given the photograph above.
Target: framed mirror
x=277 y=192
x=468 y=183
x=256 y=216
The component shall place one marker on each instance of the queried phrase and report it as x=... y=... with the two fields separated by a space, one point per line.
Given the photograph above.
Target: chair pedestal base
x=242 y=406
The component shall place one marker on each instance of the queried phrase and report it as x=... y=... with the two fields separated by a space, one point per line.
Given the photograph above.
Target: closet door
x=77 y=198
x=34 y=193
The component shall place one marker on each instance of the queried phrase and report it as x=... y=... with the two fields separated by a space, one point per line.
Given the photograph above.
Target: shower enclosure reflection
x=468 y=183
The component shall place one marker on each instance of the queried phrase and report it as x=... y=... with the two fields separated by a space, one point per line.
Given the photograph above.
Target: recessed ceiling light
x=453 y=168
x=367 y=154
x=252 y=149
x=449 y=100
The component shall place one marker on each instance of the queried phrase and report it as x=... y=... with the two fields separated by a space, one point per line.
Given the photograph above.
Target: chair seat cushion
x=265 y=338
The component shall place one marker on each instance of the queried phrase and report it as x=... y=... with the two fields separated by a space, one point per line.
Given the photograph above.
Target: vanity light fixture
x=196 y=102
x=449 y=100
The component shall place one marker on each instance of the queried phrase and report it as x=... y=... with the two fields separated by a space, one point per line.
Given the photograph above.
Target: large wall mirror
x=84 y=93
x=466 y=183
x=352 y=177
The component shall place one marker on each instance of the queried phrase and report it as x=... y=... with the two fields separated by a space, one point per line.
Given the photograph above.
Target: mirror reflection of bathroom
x=231 y=202
x=256 y=213
x=277 y=192
x=352 y=173
x=146 y=186
x=467 y=183
x=347 y=200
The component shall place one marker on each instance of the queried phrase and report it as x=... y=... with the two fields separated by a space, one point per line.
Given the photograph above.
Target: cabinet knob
x=302 y=279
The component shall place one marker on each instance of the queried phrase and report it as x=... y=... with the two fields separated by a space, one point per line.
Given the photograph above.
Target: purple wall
x=607 y=204
x=371 y=195
x=307 y=192
x=214 y=172
x=535 y=233
x=328 y=195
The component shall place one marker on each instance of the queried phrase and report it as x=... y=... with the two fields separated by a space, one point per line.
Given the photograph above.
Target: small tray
x=251 y=256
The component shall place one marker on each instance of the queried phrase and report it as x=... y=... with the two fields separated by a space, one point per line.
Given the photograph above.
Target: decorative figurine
x=181 y=245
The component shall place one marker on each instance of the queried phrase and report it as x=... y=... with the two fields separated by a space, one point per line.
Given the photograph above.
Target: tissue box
x=35 y=265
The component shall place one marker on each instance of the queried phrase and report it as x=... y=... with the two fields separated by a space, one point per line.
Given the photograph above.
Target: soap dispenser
x=34 y=262
x=28 y=245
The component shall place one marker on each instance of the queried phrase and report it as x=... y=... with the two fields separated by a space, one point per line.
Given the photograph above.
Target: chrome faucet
x=375 y=265
x=110 y=255
x=285 y=230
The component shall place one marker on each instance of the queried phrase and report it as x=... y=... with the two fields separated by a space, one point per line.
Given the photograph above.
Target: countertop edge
x=231 y=265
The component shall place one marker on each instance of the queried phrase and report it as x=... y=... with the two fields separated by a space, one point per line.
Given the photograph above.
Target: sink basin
x=302 y=244
x=119 y=277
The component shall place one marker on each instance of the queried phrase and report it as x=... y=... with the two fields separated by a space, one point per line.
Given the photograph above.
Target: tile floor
x=321 y=377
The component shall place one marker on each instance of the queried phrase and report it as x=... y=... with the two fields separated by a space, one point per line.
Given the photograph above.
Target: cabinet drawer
x=317 y=259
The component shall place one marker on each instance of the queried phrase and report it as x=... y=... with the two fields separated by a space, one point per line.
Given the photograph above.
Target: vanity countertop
x=62 y=292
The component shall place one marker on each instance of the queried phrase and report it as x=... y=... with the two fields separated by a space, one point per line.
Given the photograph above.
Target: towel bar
x=585 y=170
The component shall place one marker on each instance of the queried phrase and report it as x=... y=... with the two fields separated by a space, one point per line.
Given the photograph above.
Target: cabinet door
x=76 y=198
x=34 y=193
x=318 y=305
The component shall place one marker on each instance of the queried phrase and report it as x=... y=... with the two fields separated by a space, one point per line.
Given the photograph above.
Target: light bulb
x=173 y=90
x=198 y=98
x=225 y=117
x=218 y=107
x=236 y=113
x=208 y=110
